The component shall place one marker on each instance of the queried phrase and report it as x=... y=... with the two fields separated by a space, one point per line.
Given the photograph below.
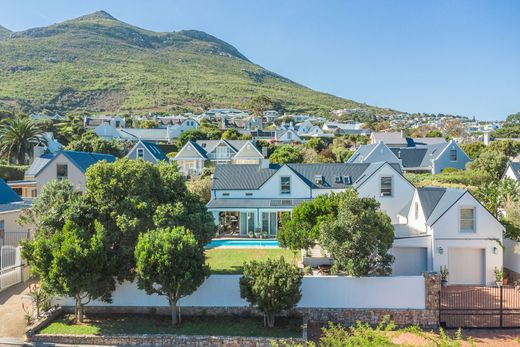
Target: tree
x=453 y=128
x=170 y=262
x=359 y=237
x=18 y=136
x=90 y=142
x=258 y=104
x=473 y=149
x=70 y=129
x=493 y=163
x=511 y=221
x=341 y=148
x=286 y=154
x=300 y=230
x=200 y=186
x=272 y=286
x=231 y=134
x=147 y=124
x=50 y=209
x=190 y=135
x=72 y=262
x=509 y=147
x=498 y=196
x=433 y=133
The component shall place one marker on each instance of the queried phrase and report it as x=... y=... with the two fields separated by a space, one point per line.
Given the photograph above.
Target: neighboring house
x=247 y=123
x=147 y=151
x=193 y=156
x=155 y=135
x=286 y=136
x=448 y=227
x=270 y=116
x=250 y=197
x=69 y=165
x=94 y=121
x=513 y=171
x=422 y=158
x=352 y=128
x=11 y=205
x=397 y=139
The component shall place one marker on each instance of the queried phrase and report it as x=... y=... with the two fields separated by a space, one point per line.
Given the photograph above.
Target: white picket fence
x=10 y=266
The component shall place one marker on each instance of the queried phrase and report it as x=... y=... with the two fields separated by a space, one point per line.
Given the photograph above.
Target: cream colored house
x=68 y=165
x=192 y=158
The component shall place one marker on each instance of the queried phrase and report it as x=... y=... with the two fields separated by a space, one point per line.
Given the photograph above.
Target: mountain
x=97 y=63
x=4 y=32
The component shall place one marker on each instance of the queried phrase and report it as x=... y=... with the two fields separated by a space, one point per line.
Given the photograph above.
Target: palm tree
x=18 y=136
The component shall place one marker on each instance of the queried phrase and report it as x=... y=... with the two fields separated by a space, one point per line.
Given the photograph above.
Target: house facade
x=193 y=156
x=513 y=171
x=147 y=151
x=433 y=227
x=70 y=165
x=431 y=158
x=11 y=206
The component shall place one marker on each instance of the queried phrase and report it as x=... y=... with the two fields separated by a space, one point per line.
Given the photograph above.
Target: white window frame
x=391 y=185
x=140 y=153
x=281 y=185
x=469 y=207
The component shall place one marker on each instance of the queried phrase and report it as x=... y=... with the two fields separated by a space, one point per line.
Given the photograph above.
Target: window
x=225 y=194
x=453 y=154
x=62 y=171
x=2 y=228
x=249 y=194
x=467 y=219
x=285 y=185
x=140 y=153
x=318 y=179
x=416 y=210
x=338 y=179
x=386 y=186
x=348 y=180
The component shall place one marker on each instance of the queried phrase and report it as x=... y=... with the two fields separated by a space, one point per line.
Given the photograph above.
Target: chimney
x=402 y=134
x=486 y=138
x=265 y=151
x=38 y=151
x=264 y=163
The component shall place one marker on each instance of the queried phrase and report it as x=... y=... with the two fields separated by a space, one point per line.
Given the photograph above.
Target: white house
x=434 y=227
x=287 y=136
x=69 y=165
x=147 y=151
x=94 y=121
x=193 y=156
x=513 y=171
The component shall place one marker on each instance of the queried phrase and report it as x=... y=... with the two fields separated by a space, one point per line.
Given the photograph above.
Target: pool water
x=242 y=243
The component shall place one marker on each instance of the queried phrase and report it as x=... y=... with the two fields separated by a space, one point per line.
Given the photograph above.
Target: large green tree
x=170 y=262
x=73 y=262
x=359 y=237
x=286 y=154
x=492 y=163
x=272 y=286
x=90 y=142
x=18 y=136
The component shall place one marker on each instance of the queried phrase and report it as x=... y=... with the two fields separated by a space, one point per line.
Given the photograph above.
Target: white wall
x=75 y=176
x=511 y=258
x=402 y=191
x=317 y=291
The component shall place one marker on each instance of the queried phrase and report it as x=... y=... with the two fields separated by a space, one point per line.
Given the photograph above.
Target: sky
x=456 y=56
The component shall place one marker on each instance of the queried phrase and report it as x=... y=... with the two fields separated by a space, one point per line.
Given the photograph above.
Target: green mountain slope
x=4 y=32
x=97 y=63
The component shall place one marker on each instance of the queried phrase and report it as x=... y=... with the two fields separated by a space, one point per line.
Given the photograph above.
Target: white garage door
x=466 y=266
x=409 y=261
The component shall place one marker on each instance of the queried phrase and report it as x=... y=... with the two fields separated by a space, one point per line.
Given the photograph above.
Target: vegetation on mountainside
x=97 y=63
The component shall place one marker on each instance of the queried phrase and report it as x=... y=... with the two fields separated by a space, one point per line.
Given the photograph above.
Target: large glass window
x=467 y=219
x=247 y=222
x=269 y=223
x=62 y=171
x=386 y=186
x=285 y=185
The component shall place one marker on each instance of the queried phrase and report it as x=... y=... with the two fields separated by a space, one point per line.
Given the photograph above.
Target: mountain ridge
x=97 y=63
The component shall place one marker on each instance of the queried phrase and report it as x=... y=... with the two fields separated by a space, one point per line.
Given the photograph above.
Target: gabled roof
x=390 y=138
x=7 y=195
x=157 y=134
x=515 y=167
x=362 y=153
x=198 y=148
x=154 y=150
x=429 y=198
x=410 y=156
x=444 y=203
x=82 y=160
x=421 y=141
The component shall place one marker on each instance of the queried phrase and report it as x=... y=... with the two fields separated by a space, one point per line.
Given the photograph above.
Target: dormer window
x=140 y=153
x=348 y=180
x=338 y=179
x=318 y=179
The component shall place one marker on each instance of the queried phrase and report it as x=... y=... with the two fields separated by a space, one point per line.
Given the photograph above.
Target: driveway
x=13 y=322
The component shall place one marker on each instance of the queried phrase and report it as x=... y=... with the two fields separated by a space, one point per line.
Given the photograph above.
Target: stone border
x=48 y=317
x=160 y=340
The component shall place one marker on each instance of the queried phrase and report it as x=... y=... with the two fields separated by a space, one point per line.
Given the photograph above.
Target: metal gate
x=10 y=266
x=479 y=307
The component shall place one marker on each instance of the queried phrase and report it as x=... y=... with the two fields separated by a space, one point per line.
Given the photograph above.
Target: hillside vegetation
x=97 y=63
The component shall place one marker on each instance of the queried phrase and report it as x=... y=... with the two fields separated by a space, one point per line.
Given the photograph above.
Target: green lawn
x=145 y=324
x=230 y=261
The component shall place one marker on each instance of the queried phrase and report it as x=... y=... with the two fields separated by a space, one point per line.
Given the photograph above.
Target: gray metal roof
x=329 y=172
x=38 y=164
x=156 y=134
x=410 y=156
x=390 y=138
x=254 y=203
x=429 y=198
x=361 y=153
x=15 y=206
x=243 y=176
x=428 y=140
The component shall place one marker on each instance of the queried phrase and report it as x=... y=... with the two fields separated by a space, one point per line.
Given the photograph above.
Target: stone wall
x=161 y=340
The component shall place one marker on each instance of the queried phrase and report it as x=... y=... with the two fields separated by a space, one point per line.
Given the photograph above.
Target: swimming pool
x=242 y=243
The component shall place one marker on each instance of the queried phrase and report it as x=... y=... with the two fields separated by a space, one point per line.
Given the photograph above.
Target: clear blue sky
x=459 y=57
